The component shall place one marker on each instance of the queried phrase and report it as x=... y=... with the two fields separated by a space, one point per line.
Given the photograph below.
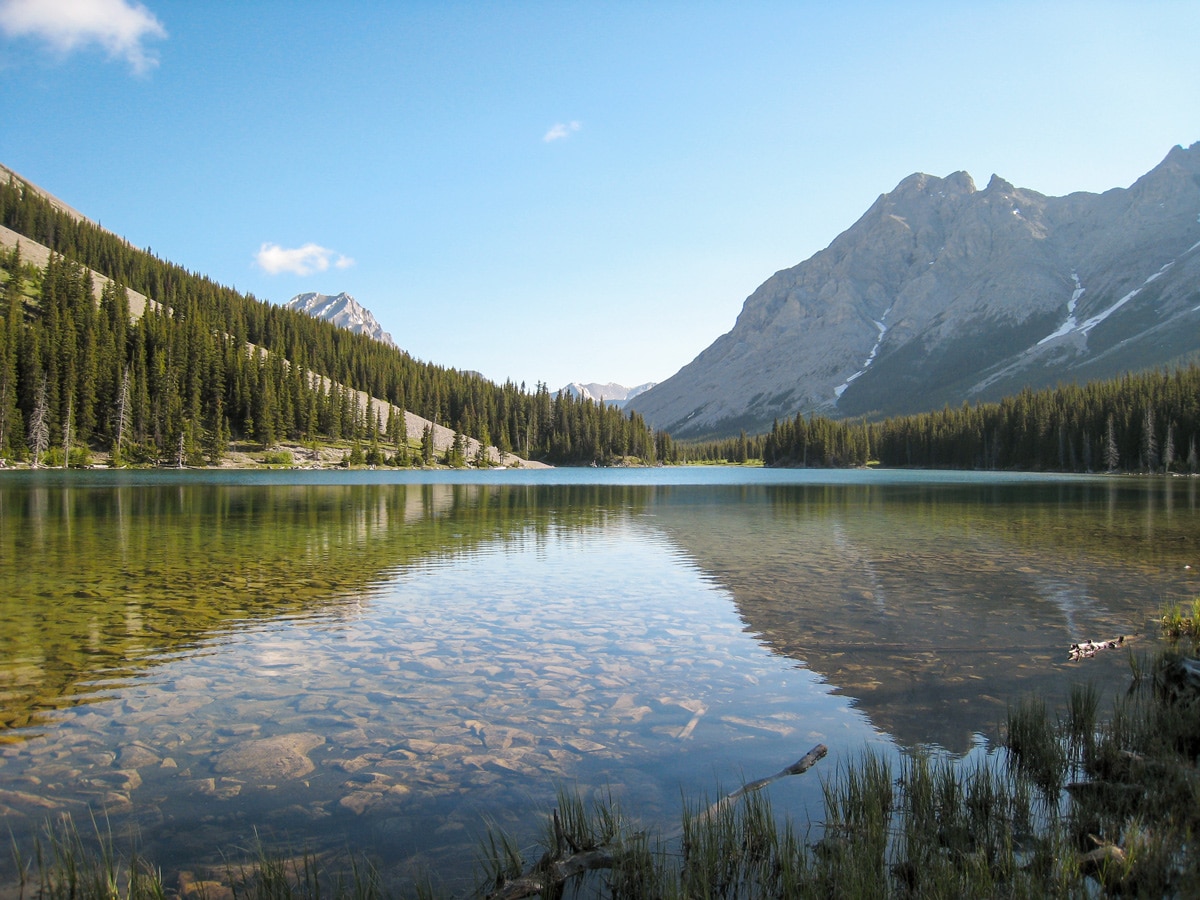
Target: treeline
x=741 y=449
x=1148 y=422
x=190 y=374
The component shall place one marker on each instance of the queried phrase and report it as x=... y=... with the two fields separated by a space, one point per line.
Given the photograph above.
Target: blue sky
x=564 y=191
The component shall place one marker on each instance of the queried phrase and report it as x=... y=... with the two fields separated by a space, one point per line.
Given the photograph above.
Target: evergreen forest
x=206 y=365
x=1147 y=422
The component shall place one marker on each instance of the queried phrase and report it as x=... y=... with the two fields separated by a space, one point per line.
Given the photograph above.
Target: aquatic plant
x=1182 y=620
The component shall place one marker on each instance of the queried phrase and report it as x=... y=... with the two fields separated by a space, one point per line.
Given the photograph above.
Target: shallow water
x=385 y=661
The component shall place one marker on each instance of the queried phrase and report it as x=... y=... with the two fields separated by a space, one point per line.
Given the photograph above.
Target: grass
x=66 y=867
x=1182 y=620
x=1093 y=803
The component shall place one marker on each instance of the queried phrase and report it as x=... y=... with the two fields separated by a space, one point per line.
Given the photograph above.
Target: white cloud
x=119 y=26
x=561 y=130
x=274 y=260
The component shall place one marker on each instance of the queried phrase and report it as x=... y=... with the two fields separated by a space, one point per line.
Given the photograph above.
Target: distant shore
x=287 y=455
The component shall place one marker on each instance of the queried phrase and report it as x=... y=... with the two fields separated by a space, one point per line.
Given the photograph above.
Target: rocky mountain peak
x=611 y=393
x=941 y=293
x=342 y=310
x=998 y=185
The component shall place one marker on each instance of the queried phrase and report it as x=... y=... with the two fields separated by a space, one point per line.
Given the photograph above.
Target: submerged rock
x=278 y=758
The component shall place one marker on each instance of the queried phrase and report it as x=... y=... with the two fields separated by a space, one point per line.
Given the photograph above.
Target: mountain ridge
x=944 y=293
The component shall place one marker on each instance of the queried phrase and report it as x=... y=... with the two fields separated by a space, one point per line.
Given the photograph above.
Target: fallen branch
x=799 y=767
x=548 y=877
x=1108 y=863
x=1088 y=649
x=551 y=872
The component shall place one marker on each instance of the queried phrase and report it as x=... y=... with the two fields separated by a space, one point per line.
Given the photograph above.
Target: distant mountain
x=613 y=394
x=342 y=310
x=942 y=293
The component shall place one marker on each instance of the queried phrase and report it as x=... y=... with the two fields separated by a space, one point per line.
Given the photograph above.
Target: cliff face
x=942 y=293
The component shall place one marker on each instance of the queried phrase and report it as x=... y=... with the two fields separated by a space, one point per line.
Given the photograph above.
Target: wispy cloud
x=275 y=260
x=561 y=131
x=121 y=27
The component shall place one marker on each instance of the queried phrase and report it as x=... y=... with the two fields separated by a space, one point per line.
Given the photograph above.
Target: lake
x=385 y=662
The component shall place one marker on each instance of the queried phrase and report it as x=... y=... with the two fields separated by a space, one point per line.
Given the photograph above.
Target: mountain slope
x=373 y=408
x=943 y=293
x=342 y=310
x=216 y=365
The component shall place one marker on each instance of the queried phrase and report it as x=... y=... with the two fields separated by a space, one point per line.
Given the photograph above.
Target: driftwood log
x=553 y=870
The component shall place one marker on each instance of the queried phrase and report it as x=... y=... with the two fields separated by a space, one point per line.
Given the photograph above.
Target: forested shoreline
x=205 y=365
x=1147 y=422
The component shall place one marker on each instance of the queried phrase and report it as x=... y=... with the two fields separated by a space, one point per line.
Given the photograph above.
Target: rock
x=280 y=758
x=135 y=756
x=192 y=889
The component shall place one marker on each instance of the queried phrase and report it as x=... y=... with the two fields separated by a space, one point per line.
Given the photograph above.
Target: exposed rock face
x=942 y=293
x=342 y=310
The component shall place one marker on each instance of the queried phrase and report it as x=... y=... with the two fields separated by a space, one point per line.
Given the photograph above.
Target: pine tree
x=1149 y=442
x=427 y=449
x=10 y=345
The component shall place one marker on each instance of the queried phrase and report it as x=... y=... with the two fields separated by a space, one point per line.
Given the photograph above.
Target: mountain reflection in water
x=936 y=607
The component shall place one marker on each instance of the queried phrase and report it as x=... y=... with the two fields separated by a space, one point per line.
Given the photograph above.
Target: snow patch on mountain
x=343 y=311
x=882 y=329
x=1070 y=324
x=1095 y=320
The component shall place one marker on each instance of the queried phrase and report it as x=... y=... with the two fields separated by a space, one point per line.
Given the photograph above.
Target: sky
x=564 y=191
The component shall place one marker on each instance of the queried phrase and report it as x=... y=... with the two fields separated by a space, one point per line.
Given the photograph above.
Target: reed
x=1035 y=748
x=66 y=866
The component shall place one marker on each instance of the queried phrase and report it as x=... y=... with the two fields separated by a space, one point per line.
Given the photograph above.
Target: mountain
x=613 y=394
x=342 y=310
x=942 y=293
